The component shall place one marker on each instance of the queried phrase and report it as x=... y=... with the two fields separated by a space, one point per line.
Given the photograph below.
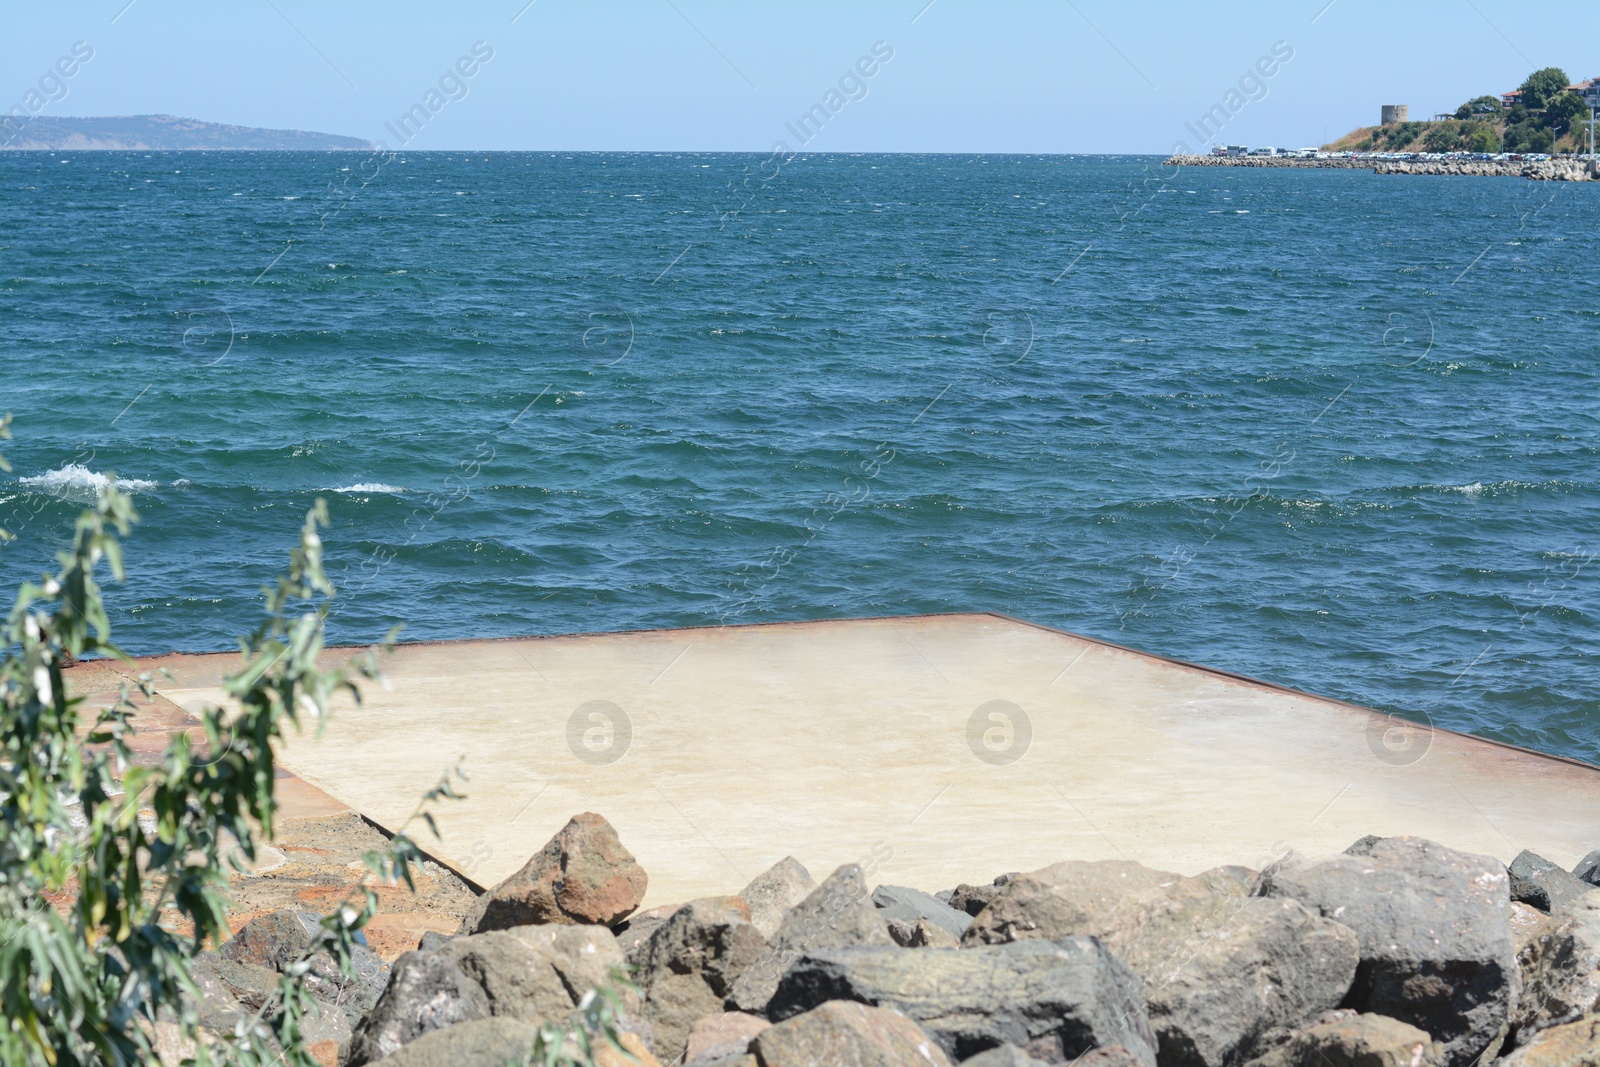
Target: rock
x=271 y=943
x=1110 y=1056
x=1062 y=900
x=974 y=898
x=1560 y=965
x=847 y=1035
x=1230 y=880
x=921 y=934
x=582 y=877
x=773 y=892
x=1542 y=884
x=687 y=969
x=1222 y=972
x=533 y=973
x=479 y=1043
x=1006 y=1056
x=910 y=905
x=218 y=1008
x=1054 y=1000
x=722 y=1036
x=1575 y=1044
x=835 y=915
x=1354 y=1041
x=1436 y=949
x=633 y=933
x=1588 y=868
x=432 y=939
x=1528 y=922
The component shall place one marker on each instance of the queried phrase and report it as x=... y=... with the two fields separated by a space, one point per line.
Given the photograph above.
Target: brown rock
x=1063 y=899
x=582 y=877
x=844 y=1034
x=1573 y=1045
x=773 y=892
x=1355 y=1041
x=721 y=1036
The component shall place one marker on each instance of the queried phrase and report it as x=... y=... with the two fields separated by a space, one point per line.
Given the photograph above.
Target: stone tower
x=1393 y=113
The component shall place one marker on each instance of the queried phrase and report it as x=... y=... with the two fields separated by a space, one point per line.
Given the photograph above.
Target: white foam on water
x=79 y=483
x=370 y=487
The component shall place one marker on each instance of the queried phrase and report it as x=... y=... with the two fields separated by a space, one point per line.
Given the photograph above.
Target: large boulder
x=1575 y=1044
x=1560 y=964
x=1054 y=1000
x=535 y=974
x=1542 y=884
x=900 y=904
x=1436 y=948
x=1062 y=900
x=1354 y=1041
x=583 y=876
x=687 y=968
x=1223 y=972
x=847 y=1035
x=836 y=914
x=1588 y=868
x=774 y=891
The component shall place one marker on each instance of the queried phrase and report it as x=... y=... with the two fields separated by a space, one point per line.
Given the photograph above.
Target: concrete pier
x=936 y=749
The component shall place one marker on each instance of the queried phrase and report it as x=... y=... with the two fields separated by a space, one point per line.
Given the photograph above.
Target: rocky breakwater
x=1398 y=952
x=1567 y=169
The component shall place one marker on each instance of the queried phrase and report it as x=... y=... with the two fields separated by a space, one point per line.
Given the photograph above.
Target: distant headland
x=159 y=133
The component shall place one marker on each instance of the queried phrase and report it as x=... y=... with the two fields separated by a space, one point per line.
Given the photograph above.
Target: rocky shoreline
x=1398 y=952
x=1565 y=170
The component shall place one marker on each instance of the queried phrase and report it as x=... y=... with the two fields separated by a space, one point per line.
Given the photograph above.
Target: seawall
x=1569 y=170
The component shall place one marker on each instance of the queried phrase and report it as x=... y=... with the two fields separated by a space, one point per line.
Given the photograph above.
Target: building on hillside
x=1393 y=113
x=1589 y=90
x=1509 y=100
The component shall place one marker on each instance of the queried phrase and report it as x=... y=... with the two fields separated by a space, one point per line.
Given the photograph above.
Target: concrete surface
x=717 y=752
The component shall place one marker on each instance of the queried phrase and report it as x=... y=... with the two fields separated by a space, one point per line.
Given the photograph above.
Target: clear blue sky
x=966 y=75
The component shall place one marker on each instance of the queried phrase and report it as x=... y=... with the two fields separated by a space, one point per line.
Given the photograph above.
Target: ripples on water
x=1322 y=427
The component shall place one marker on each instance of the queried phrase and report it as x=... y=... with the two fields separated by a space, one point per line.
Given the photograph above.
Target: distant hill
x=161 y=133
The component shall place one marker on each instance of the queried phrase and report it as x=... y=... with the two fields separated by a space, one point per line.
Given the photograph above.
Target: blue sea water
x=1326 y=428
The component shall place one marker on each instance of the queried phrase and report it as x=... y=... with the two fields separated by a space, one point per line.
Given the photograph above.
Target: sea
x=1326 y=428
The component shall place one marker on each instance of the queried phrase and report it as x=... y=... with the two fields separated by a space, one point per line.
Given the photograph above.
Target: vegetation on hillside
x=1546 y=118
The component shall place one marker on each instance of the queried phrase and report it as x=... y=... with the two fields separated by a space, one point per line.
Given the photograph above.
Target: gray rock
x=909 y=905
x=1436 y=948
x=1223 y=972
x=687 y=968
x=835 y=915
x=532 y=973
x=974 y=898
x=920 y=934
x=275 y=941
x=1054 y=1000
x=432 y=939
x=1355 y=1041
x=847 y=1035
x=1363 y=846
x=1588 y=868
x=773 y=892
x=1560 y=965
x=1063 y=900
x=1002 y=1056
x=632 y=934
x=1542 y=884
x=480 y=1043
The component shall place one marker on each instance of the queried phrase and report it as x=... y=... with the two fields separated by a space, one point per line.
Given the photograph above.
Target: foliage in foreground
x=132 y=853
